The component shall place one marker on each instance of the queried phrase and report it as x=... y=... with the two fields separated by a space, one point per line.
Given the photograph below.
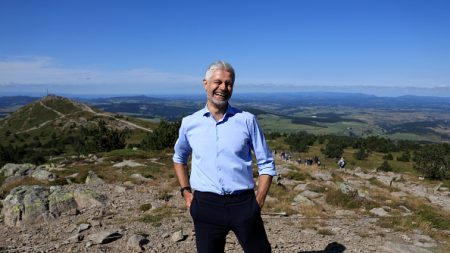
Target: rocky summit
x=96 y=204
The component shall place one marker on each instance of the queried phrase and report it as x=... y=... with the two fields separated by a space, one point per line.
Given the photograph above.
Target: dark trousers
x=215 y=215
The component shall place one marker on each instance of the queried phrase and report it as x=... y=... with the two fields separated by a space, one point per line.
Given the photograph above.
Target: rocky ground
x=145 y=214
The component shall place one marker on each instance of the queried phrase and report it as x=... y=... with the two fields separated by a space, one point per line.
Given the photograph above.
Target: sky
x=385 y=47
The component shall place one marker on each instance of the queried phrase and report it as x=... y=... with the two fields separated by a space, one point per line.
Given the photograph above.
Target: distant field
x=412 y=118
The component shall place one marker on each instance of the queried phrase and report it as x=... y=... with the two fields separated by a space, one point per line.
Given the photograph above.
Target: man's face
x=219 y=87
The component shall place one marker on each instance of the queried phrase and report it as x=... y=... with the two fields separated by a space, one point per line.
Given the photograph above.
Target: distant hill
x=60 y=113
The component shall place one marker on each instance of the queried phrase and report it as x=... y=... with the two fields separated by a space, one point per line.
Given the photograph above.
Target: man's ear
x=205 y=83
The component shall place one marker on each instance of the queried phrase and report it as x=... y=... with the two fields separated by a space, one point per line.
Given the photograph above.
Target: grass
x=156 y=216
x=284 y=196
x=349 y=201
x=145 y=207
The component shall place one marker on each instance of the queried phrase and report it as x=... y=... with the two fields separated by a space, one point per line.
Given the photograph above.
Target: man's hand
x=188 y=196
x=263 y=187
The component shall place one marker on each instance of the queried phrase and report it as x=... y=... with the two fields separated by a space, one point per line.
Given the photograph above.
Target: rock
x=423 y=241
x=87 y=198
x=390 y=247
x=139 y=177
x=76 y=238
x=25 y=205
x=43 y=175
x=61 y=200
x=128 y=163
x=105 y=236
x=310 y=194
x=300 y=187
x=347 y=188
x=120 y=189
x=83 y=227
x=379 y=212
x=10 y=169
x=93 y=179
x=322 y=176
x=399 y=195
x=302 y=200
x=135 y=243
x=177 y=236
x=436 y=188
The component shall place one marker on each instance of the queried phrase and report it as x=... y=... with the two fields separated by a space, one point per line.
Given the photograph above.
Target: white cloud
x=44 y=71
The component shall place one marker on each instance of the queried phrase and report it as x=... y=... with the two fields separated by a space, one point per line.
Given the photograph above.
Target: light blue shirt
x=221 y=151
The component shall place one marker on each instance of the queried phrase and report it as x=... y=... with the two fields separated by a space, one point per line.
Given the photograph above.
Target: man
x=220 y=191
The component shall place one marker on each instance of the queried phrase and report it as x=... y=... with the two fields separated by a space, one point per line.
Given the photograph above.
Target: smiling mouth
x=221 y=94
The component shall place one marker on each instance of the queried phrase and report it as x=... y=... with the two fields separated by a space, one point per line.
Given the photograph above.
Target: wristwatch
x=187 y=188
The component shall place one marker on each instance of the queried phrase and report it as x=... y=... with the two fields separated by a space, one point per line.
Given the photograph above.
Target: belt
x=236 y=194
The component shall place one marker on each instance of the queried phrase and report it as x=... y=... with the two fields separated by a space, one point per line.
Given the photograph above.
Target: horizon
x=382 y=48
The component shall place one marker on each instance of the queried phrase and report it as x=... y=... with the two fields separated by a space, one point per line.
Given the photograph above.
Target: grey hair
x=219 y=65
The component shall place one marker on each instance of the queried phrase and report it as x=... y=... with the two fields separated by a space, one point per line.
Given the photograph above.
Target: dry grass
x=284 y=196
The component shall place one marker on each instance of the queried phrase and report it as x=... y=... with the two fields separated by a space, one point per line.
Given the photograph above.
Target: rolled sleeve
x=182 y=148
x=264 y=158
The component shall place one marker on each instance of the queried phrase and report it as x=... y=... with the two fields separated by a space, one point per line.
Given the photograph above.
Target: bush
x=385 y=166
x=433 y=161
x=405 y=157
x=332 y=150
x=388 y=157
x=164 y=136
x=361 y=154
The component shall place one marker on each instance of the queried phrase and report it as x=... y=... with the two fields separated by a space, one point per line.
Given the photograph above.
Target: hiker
x=341 y=163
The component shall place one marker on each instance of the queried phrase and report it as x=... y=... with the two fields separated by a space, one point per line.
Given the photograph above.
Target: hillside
x=128 y=201
x=53 y=125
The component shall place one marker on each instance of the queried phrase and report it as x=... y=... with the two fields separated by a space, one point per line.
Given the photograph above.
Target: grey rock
x=86 y=198
x=379 y=212
x=302 y=200
x=10 y=169
x=310 y=194
x=322 y=176
x=93 y=179
x=43 y=175
x=105 y=236
x=61 y=200
x=135 y=243
x=25 y=205
x=76 y=238
x=83 y=227
x=390 y=247
x=128 y=163
x=120 y=189
x=177 y=236
x=139 y=177
x=347 y=188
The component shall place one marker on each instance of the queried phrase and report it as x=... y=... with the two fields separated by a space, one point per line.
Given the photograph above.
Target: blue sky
x=149 y=47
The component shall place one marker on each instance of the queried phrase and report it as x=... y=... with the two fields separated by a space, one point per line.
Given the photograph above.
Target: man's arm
x=264 y=183
x=181 y=172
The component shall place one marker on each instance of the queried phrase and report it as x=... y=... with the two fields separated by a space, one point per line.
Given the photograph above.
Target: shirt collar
x=230 y=111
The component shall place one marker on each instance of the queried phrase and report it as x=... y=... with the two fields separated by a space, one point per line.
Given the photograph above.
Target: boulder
x=61 y=200
x=322 y=176
x=43 y=175
x=177 y=236
x=25 y=205
x=302 y=200
x=379 y=212
x=310 y=194
x=128 y=163
x=135 y=243
x=86 y=198
x=105 y=236
x=93 y=179
x=10 y=169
